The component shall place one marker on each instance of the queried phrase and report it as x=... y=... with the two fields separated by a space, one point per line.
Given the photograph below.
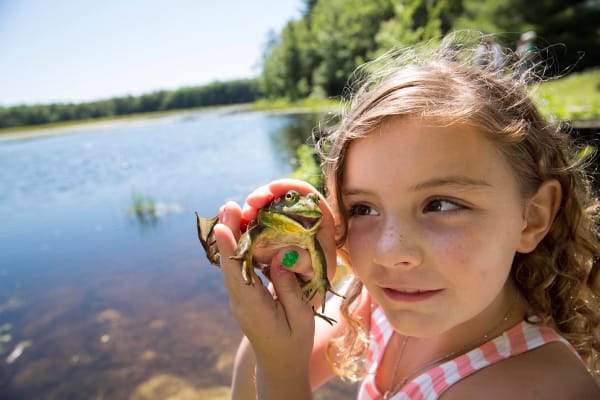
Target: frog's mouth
x=304 y=221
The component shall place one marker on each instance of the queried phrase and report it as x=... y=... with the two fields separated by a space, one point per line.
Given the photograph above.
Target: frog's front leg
x=248 y=271
x=246 y=267
x=244 y=252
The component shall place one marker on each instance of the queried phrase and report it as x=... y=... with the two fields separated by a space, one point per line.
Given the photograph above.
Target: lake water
x=98 y=301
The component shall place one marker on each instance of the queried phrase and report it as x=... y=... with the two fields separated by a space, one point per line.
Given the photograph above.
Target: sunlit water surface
x=104 y=290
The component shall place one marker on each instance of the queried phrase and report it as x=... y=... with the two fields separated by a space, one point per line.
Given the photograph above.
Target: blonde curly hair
x=560 y=279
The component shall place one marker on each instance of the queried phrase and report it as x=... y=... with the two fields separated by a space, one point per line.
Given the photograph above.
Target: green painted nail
x=290 y=258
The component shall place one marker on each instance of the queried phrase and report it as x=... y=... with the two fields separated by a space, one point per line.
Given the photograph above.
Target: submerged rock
x=171 y=387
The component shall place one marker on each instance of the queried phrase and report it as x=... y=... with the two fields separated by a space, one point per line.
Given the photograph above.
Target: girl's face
x=435 y=219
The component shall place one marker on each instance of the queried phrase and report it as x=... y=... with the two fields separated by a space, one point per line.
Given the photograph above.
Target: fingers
x=260 y=315
x=227 y=234
x=295 y=259
x=264 y=194
x=289 y=294
x=259 y=198
x=230 y=215
x=280 y=186
x=301 y=266
x=247 y=302
x=227 y=243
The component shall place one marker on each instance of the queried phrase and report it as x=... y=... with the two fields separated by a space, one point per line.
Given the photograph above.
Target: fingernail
x=290 y=258
x=282 y=268
x=225 y=217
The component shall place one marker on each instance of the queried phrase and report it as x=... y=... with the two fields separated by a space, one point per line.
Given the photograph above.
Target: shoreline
x=41 y=131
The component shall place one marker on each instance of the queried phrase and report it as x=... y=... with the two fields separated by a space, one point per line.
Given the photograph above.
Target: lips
x=411 y=295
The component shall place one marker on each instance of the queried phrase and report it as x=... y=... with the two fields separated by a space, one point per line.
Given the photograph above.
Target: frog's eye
x=292 y=196
x=314 y=198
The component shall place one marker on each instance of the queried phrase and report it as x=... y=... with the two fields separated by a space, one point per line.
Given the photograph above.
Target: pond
x=105 y=292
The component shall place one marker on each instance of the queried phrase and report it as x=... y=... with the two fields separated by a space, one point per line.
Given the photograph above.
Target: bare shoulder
x=549 y=372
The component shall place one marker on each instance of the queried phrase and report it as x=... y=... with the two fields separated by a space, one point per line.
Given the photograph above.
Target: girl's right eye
x=359 y=210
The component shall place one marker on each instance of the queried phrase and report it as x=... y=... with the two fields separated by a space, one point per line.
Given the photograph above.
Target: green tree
x=286 y=61
x=491 y=16
x=417 y=20
x=344 y=33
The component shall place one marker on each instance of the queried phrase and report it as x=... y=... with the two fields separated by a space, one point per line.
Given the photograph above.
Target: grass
x=307 y=168
x=574 y=97
x=307 y=104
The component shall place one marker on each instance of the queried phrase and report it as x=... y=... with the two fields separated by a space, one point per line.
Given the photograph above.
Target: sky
x=84 y=50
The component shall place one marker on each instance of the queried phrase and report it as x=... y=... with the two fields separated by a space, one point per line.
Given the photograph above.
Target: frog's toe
x=248 y=274
x=325 y=318
x=314 y=286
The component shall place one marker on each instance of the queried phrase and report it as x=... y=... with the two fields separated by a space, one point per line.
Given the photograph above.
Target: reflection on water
x=146 y=212
x=104 y=289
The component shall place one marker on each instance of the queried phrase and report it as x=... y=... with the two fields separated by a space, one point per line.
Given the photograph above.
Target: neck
x=506 y=310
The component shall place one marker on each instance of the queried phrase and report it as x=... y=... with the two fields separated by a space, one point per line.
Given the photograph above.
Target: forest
x=313 y=55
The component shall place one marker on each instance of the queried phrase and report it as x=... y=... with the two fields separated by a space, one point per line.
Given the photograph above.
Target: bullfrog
x=288 y=220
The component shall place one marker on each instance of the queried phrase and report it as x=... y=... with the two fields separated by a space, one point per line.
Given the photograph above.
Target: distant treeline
x=217 y=93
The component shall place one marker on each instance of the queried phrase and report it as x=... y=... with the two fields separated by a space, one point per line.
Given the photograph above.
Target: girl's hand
x=280 y=327
x=264 y=194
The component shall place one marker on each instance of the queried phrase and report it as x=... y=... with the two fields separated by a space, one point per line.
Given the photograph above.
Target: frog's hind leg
x=319 y=283
x=311 y=288
x=320 y=286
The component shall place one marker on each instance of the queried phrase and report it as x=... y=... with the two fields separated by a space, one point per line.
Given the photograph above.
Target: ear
x=539 y=214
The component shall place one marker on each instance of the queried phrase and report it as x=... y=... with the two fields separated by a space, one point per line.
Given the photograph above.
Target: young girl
x=468 y=225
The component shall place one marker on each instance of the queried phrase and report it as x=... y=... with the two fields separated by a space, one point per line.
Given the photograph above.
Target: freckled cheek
x=470 y=261
x=451 y=248
x=360 y=250
x=457 y=254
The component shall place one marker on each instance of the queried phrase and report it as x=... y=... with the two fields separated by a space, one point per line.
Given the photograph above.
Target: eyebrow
x=454 y=180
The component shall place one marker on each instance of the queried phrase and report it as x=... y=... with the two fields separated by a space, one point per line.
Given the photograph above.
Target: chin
x=413 y=323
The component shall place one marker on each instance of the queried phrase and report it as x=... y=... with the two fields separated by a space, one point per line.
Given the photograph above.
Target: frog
x=289 y=220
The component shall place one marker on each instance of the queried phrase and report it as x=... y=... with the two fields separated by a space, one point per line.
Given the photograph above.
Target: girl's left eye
x=441 y=205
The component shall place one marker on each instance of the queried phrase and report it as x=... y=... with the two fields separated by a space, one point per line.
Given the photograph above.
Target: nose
x=397 y=246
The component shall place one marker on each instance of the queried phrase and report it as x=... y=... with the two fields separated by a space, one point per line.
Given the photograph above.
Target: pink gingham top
x=432 y=383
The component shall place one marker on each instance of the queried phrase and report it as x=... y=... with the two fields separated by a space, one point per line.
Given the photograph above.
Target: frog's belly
x=283 y=241
x=262 y=251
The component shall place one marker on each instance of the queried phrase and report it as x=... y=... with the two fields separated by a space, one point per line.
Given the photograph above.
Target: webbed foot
x=318 y=285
